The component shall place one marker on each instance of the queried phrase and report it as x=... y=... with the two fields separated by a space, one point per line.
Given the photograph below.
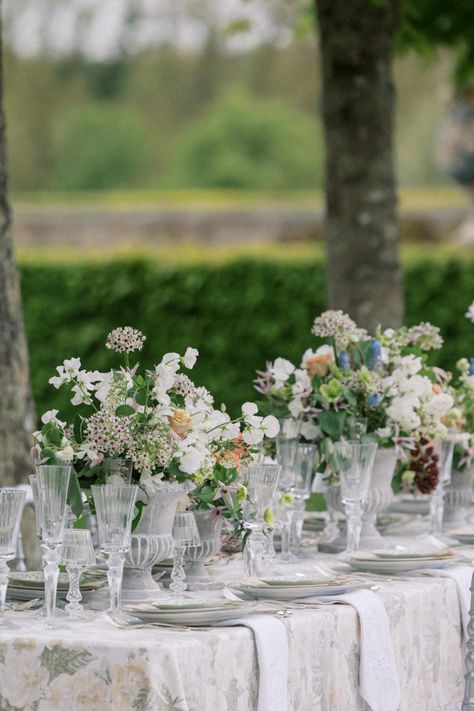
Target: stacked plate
x=391 y=561
x=192 y=612
x=290 y=587
x=30 y=585
x=463 y=535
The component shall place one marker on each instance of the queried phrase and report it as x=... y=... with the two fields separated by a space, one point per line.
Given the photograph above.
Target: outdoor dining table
x=94 y=666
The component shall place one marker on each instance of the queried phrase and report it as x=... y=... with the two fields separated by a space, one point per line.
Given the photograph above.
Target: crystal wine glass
x=114 y=507
x=355 y=459
x=445 y=451
x=304 y=466
x=117 y=472
x=11 y=508
x=185 y=535
x=77 y=553
x=262 y=480
x=52 y=483
x=287 y=448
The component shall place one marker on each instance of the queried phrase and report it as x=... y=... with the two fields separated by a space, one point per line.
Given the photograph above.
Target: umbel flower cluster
x=380 y=386
x=159 y=419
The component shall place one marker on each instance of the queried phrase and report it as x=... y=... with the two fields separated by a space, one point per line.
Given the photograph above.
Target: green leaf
x=74 y=495
x=78 y=425
x=124 y=411
x=332 y=423
x=142 y=396
x=59 y=660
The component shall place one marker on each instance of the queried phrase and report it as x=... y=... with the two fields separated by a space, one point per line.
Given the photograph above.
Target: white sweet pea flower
x=103 y=384
x=72 y=367
x=231 y=431
x=470 y=312
x=50 y=416
x=270 y=426
x=190 y=358
x=171 y=361
x=252 y=436
x=165 y=377
x=295 y=407
x=310 y=431
x=249 y=409
x=281 y=371
x=58 y=380
x=384 y=432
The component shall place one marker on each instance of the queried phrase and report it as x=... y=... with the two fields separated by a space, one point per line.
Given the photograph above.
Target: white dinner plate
x=463 y=535
x=34 y=580
x=289 y=592
x=392 y=567
x=193 y=615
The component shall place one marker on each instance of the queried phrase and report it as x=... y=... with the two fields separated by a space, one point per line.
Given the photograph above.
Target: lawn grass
x=448 y=196
x=189 y=254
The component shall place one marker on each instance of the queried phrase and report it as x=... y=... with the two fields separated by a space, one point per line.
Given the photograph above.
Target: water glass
x=445 y=451
x=50 y=492
x=114 y=507
x=117 y=472
x=261 y=480
x=76 y=553
x=355 y=460
x=287 y=448
x=185 y=535
x=11 y=509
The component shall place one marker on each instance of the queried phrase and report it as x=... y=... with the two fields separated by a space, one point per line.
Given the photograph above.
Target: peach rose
x=180 y=422
x=317 y=363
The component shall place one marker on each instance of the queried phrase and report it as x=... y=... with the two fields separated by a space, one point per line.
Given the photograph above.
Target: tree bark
x=364 y=276
x=16 y=405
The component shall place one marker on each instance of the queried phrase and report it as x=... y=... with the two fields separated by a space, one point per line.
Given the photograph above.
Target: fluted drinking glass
x=185 y=535
x=114 y=507
x=76 y=553
x=11 y=508
x=445 y=451
x=261 y=481
x=52 y=483
x=355 y=461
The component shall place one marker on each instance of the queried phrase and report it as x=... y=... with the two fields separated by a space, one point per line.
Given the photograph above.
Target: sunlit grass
x=189 y=254
x=448 y=196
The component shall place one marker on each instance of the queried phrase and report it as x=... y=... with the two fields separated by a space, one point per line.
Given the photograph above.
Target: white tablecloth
x=93 y=667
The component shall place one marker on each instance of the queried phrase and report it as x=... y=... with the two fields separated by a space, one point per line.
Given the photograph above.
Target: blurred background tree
x=16 y=406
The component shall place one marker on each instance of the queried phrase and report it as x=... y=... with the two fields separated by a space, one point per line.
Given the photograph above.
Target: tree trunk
x=16 y=406
x=364 y=275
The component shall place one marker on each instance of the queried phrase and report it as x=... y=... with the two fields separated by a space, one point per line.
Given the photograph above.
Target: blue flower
x=375 y=354
x=344 y=360
x=374 y=400
x=471 y=366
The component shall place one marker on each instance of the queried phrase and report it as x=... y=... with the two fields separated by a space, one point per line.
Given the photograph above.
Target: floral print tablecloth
x=93 y=667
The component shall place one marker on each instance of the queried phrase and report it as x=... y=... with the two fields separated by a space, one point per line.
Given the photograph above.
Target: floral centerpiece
x=159 y=419
x=355 y=383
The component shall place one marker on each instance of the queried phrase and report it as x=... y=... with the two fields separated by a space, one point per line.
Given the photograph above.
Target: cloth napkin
x=462 y=576
x=378 y=676
x=271 y=641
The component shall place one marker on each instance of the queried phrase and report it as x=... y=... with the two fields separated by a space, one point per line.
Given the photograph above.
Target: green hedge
x=238 y=315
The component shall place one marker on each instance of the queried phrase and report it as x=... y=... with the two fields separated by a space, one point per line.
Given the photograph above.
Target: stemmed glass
x=77 y=553
x=445 y=451
x=287 y=448
x=304 y=465
x=117 y=472
x=50 y=492
x=114 y=507
x=262 y=480
x=185 y=535
x=11 y=508
x=355 y=459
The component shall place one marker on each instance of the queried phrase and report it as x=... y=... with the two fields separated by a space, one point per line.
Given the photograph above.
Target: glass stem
x=74 y=596
x=253 y=553
x=4 y=570
x=178 y=576
x=286 y=533
x=354 y=525
x=115 y=563
x=437 y=510
x=51 y=575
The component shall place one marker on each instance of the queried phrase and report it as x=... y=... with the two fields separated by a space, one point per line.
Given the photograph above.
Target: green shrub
x=237 y=315
x=243 y=142
x=100 y=146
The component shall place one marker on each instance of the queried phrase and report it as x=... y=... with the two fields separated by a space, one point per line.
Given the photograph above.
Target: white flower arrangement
x=160 y=420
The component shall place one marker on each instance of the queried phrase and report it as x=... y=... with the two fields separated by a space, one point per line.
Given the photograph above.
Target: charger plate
x=190 y=612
